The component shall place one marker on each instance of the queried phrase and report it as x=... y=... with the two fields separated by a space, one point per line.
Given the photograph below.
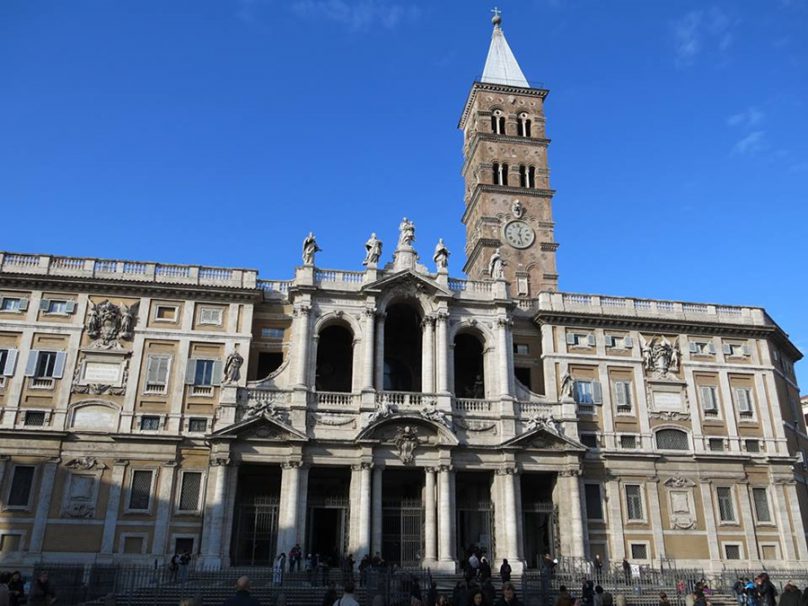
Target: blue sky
x=221 y=131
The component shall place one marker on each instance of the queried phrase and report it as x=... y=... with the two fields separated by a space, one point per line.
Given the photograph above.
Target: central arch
x=402 y=348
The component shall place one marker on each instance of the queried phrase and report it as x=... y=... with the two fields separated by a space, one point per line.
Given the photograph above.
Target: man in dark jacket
x=508 y=596
x=791 y=596
x=42 y=593
x=242 y=597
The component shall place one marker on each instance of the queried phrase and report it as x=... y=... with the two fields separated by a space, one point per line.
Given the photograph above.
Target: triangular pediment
x=408 y=280
x=541 y=438
x=428 y=431
x=261 y=427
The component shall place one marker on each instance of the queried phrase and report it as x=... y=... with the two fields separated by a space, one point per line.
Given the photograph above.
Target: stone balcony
x=129 y=271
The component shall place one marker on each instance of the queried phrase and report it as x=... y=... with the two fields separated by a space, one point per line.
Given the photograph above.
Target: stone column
x=617 y=544
x=430 y=518
x=428 y=355
x=113 y=507
x=798 y=529
x=709 y=517
x=502 y=357
x=442 y=353
x=302 y=506
x=367 y=348
x=302 y=314
x=655 y=516
x=376 y=533
x=363 y=545
x=287 y=509
x=446 y=508
x=783 y=521
x=165 y=490
x=43 y=502
x=379 y=356
x=575 y=525
x=508 y=479
x=748 y=521
x=213 y=522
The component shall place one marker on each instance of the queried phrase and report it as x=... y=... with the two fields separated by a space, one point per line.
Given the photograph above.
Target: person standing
x=508 y=596
x=42 y=593
x=505 y=571
x=242 y=597
x=5 y=598
x=627 y=571
x=348 y=598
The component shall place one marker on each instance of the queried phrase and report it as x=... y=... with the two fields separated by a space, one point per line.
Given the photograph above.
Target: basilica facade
x=150 y=408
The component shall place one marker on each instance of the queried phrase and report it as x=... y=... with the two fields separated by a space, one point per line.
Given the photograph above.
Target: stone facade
x=147 y=409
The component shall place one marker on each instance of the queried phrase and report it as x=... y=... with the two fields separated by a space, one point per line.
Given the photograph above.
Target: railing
x=126 y=270
x=404 y=399
x=333 y=398
x=274 y=289
x=339 y=276
x=265 y=396
x=471 y=405
x=532 y=408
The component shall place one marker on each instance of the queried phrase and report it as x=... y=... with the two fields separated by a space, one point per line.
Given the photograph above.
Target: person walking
x=242 y=597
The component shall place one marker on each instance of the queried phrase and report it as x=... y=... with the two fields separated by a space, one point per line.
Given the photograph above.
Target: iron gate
x=475 y=527
x=403 y=532
x=256 y=531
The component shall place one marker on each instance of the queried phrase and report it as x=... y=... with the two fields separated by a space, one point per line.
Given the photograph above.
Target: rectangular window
x=634 y=502
x=709 y=403
x=19 y=494
x=157 y=373
x=716 y=444
x=190 y=491
x=580 y=339
x=733 y=552
x=165 y=313
x=702 y=348
x=594 y=503
x=35 y=418
x=9 y=542
x=726 y=511
x=46 y=364
x=55 y=306
x=521 y=349
x=743 y=401
x=198 y=425
x=140 y=492
x=210 y=315
x=271 y=333
x=8 y=362
x=639 y=551
x=628 y=442
x=622 y=395
x=752 y=445
x=204 y=372
x=10 y=304
x=149 y=423
x=588 y=392
x=761 y=500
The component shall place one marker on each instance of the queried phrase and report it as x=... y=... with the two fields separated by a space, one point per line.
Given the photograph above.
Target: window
x=149 y=423
x=639 y=551
x=625 y=342
x=732 y=551
x=210 y=315
x=628 y=442
x=634 y=509
x=523 y=126
x=35 y=418
x=743 y=401
x=761 y=500
x=588 y=392
x=672 y=439
x=198 y=425
x=204 y=372
x=165 y=313
x=13 y=304
x=590 y=440
x=157 y=373
x=737 y=350
x=527 y=176
x=580 y=339
x=726 y=512
x=716 y=444
x=752 y=445
x=8 y=363
x=500 y=174
x=140 y=491
x=522 y=375
x=271 y=333
x=190 y=489
x=132 y=544
x=57 y=306
x=622 y=395
x=10 y=542
x=22 y=481
x=709 y=400
x=521 y=349
x=498 y=122
x=702 y=348
x=594 y=503
x=45 y=364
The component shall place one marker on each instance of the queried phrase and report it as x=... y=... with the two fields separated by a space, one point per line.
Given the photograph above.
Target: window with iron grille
x=19 y=494
x=752 y=445
x=190 y=490
x=761 y=505
x=672 y=439
x=717 y=444
x=140 y=493
x=149 y=423
x=628 y=442
x=35 y=418
x=198 y=425
x=726 y=511
x=634 y=502
x=732 y=552
x=639 y=551
x=594 y=503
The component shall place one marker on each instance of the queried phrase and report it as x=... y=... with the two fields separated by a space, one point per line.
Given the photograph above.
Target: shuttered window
x=157 y=373
x=189 y=491
x=22 y=482
x=708 y=399
x=622 y=395
x=140 y=494
x=743 y=400
x=761 y=505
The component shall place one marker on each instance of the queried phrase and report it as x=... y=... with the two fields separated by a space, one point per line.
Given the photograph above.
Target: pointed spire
x=500 y=65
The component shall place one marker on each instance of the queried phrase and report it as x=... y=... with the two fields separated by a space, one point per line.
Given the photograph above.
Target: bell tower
x=508 y=200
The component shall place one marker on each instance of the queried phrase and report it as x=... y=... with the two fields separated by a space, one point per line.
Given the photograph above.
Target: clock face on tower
x=518 y=234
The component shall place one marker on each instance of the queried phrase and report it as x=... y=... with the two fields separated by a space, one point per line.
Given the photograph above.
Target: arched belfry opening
x=334 y=359
x=469 y=372
x=402 y=348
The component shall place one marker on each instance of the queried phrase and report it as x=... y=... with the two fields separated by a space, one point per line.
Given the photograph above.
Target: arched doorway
x=402 y=349
x=334 y=359
x=469 y=369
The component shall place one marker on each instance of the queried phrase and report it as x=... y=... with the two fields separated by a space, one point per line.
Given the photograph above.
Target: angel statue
x=309 y=248
x=441 y=256
x=374 y=250
x=496 y=266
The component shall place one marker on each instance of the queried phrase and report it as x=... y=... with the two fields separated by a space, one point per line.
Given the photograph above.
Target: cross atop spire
x=496 y=19
x=500 y=65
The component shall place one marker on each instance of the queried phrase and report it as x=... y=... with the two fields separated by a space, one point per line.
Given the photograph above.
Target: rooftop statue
x=309 y=248
x=373 y=248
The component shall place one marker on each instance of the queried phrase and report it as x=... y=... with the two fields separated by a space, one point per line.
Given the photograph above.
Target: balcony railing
x=333 y=398
x=404 y=399
x=471 y=405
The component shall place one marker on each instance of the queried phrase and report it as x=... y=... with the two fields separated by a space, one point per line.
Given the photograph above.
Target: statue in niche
x=309 y=249
x=232 y=366
x=373 y=248
x=567 y=386
x=496 y=266
x=660 y=356
x=407 y=441
x=441 y=256
x=406 y=234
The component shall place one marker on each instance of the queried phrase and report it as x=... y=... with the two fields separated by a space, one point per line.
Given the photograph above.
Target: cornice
x=497 y=88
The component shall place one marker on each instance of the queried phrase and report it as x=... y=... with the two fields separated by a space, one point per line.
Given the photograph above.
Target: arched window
x=531 y=177
x=524 y=125
x=523 y=176
x=500 y=174
x=496 y=175
x=672 y=439
x=334 y=359
x=498 y=122
x=469 y=376
x=504 y=175
x=402 y=349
